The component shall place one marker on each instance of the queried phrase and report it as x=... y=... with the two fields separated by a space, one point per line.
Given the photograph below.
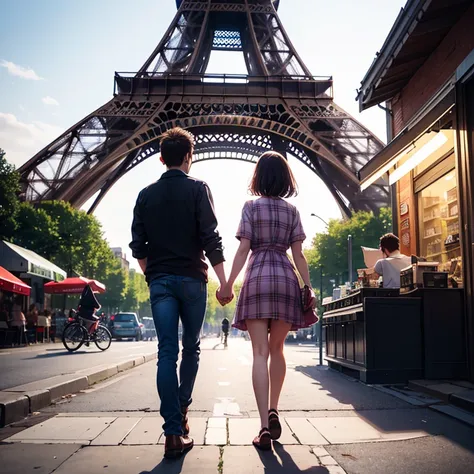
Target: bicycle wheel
x=74 y=336
x=102 y=338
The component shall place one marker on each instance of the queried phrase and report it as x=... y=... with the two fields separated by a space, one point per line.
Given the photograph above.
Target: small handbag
x=307 y=303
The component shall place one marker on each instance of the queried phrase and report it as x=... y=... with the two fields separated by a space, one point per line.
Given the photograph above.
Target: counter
x=375 y=335
x=380 y=336
x=444 y=332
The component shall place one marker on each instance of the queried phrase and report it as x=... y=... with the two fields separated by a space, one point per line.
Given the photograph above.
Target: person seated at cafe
x=32 y=323
x=44 y=322
x=32 y=315
x=393 y=262
x=18 y=320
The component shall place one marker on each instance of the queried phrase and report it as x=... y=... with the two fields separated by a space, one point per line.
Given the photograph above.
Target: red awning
x=73 y=285
x=9 y=282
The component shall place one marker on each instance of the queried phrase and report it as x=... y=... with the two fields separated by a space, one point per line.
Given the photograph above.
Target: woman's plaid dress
x=270 y=289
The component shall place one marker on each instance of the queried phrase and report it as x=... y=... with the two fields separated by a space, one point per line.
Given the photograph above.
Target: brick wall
x=438 y=68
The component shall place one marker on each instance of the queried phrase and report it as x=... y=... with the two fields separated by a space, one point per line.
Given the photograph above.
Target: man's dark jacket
x=174 y=223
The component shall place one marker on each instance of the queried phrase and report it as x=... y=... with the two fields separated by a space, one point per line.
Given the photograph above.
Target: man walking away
x=174 y=224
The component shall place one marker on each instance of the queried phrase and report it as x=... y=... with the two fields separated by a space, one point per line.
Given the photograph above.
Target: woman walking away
x=269 y=304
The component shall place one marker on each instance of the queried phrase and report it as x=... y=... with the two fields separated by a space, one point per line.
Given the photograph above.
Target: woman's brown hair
x=273 y=177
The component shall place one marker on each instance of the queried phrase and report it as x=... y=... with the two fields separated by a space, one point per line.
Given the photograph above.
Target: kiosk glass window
x=438 y=210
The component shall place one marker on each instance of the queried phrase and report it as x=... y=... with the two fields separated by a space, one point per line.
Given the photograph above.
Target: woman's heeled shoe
x=274 y=424
x=263 y=441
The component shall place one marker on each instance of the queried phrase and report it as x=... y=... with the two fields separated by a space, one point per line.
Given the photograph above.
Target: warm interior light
x=372 y=179
x=424 y=152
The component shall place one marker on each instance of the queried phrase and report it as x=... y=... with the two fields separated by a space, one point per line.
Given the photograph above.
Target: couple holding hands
x=174 y=225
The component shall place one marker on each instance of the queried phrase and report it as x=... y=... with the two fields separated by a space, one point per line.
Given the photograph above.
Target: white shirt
x=390 y=268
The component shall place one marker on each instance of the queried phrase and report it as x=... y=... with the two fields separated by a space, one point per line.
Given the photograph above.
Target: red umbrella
x=9 y=282
x=73 y=285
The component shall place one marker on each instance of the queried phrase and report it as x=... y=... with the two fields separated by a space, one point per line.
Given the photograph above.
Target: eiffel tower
x=277 y=105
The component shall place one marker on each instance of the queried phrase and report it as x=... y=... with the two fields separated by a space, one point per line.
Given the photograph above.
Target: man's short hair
x=389 y=242
x=175 y=144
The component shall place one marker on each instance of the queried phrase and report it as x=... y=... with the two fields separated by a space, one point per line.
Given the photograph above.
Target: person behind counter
x=389 y=267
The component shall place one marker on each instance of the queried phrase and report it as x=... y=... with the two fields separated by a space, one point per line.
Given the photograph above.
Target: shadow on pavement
x=63 y=353
x=285 y=465
x=386 y=413
x=167 y=466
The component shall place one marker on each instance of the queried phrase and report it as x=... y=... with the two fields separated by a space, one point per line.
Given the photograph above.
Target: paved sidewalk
x=317 y=442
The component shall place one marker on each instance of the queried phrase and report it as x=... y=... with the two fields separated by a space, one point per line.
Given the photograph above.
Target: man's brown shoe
x=176 y=446
x=185 y=421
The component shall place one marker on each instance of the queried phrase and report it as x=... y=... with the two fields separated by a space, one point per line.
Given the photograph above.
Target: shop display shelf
x=454 y=249
x=434 y=254
x=432 y=218
x=431 y=236
x=432 y=205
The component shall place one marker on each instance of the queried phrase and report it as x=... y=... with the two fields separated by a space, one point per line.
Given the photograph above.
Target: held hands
x=225 y=294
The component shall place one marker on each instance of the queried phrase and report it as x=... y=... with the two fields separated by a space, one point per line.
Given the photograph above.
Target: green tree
x=137 y=292
x=329 y=249
x=36 y=231
x=79 y=237
x=9 y=202
x=116 y=283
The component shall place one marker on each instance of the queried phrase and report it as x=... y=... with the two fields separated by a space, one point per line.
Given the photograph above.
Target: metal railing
x=150 y=84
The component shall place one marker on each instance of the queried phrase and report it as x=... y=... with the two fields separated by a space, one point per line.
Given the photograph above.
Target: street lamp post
x=321 y=316
x=321 y=299
x=349 y=258
x=321 y=219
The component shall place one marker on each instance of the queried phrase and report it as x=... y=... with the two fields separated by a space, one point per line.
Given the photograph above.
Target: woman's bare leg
x=258 y=331
x=278 y=332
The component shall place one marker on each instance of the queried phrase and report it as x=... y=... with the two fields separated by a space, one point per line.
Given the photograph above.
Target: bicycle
x=75 y=334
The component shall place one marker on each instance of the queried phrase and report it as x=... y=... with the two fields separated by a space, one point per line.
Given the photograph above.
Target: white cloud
x=20 y=71
x=22 y=107
x=21 y=140
x=49 y=100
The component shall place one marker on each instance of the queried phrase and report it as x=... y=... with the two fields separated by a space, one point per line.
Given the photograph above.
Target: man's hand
x=225 y=295
x=142 y=263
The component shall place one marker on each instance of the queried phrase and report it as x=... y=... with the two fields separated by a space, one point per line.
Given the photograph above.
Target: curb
x=16 y=404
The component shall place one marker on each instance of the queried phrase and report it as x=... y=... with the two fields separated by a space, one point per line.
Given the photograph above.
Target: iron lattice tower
x=278 y=105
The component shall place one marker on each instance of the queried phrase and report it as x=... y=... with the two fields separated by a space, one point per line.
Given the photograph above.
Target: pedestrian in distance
x=225 y=331
x=174 y=225
x=270 y=301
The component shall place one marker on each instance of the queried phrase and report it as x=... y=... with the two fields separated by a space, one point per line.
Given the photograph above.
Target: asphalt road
x=19 y=366
x=224 y=386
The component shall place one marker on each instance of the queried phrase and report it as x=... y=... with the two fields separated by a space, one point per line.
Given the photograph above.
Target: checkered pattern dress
x=270 y=289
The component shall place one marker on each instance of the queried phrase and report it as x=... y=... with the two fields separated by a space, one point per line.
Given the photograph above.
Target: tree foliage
x=9 y=203
x=330 y=249
x=137 y=292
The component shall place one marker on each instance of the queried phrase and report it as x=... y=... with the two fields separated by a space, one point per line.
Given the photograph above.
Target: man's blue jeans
x=174 y=297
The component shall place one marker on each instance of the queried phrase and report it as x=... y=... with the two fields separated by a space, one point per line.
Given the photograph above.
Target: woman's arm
x=239 y=262
x=300 y=262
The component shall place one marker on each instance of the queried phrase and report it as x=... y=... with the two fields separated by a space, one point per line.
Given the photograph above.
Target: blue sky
x=58 y=58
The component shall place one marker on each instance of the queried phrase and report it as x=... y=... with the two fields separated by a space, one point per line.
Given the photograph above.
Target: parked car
x=150 y=332
x=126 y=325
